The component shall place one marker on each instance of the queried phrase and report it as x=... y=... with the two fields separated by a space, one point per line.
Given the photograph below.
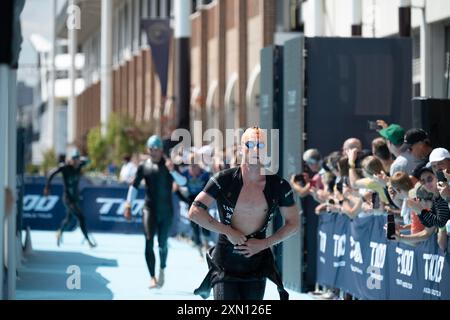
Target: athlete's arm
x=289 y=212
x=291 y=225
x=198 y=213
x=177 y=177
x=133 y=190
x=53 y=173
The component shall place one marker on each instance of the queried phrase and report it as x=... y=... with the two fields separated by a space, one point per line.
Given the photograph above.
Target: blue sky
x=36 y=18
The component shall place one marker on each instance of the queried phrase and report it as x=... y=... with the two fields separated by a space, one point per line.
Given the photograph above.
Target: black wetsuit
x=71 y=178
x=233 y=275
x=158 y=211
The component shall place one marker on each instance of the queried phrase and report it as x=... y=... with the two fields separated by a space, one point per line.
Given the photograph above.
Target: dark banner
x=159 y=36
x=103 y=208
x=40 y=212
x=355 y=256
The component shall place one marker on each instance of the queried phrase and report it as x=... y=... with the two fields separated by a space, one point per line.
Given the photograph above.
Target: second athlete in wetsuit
x=159 y=175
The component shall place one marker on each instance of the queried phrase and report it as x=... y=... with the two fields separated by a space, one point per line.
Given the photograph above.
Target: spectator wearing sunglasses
x=436 y=213
x=440 y=162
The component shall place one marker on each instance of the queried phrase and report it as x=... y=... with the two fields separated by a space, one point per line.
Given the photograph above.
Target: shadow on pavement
x=45 y=275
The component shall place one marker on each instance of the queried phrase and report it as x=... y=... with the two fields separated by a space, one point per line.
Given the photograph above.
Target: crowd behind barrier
x=355 y=256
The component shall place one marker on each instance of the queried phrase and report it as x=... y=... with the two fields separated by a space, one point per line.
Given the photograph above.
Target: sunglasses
x=312 y=161
x=252 y=144
x=427 y=180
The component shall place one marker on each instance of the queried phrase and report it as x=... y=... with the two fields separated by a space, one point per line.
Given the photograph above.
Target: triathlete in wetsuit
x=247 y=199
x=71 y=173
x=159 y=175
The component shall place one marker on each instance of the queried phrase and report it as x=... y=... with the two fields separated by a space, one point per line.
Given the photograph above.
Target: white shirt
x=128 y=172
x=406 y=212
x=405 y=162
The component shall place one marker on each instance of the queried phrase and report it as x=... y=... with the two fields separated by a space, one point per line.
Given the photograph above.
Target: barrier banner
x=355 y=256
x=102 y=206
x=40 y=212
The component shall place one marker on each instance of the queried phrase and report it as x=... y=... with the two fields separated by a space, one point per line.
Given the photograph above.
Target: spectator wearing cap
x=437 y=213
x=395 y=135
x=418 y=143
x=440 y=161
x=311 y=178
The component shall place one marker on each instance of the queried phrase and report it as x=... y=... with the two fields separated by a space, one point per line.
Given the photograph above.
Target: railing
x=355 y=256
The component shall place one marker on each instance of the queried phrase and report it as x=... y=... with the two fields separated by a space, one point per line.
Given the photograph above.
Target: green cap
x=394 y=133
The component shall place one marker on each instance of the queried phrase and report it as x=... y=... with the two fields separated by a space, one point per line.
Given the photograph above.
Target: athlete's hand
x=127 y=213
x=169 y=164
x=236 y=237
x=46 y=192
x=252 y=247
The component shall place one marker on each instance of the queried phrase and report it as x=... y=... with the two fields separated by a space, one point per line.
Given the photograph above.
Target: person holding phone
x=400 y=182
x=438 y=213
x=440 y=162
x=159 y=174
x=308 y=182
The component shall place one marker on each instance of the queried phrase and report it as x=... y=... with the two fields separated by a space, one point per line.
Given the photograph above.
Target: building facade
x=226 y=39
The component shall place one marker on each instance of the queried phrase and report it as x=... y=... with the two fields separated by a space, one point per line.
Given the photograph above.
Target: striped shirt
x=437 y=216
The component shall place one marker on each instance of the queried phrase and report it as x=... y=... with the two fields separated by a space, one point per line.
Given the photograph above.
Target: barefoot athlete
x=247 y=198
x=159 y=173
x=71 y=172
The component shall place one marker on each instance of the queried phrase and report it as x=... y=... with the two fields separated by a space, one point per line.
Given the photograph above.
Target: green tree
x=123 y=136
x=50 y=161
x=97 y=149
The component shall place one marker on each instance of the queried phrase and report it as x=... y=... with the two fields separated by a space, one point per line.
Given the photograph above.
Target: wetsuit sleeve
x=213 y=186
x=133 y=189
x=286 y=195
x=53 y=173
x=138 y=177
x=178 y=178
